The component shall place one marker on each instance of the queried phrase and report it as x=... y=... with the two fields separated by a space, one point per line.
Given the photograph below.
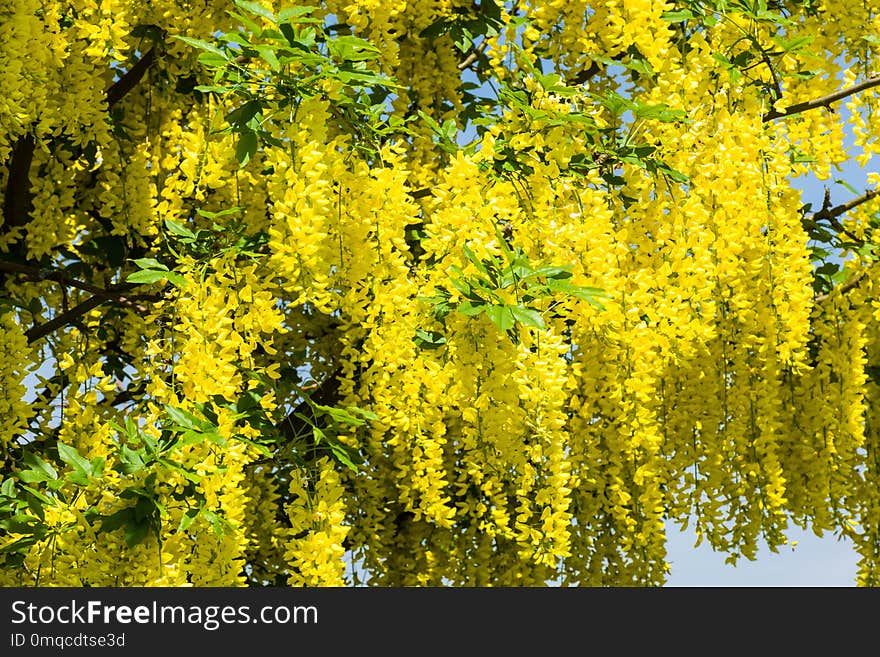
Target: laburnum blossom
x=494 y=296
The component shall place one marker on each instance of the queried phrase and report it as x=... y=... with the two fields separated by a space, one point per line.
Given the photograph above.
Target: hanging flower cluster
x=431 y=292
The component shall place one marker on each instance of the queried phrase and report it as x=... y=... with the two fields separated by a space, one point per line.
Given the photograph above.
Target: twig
x=468 y=61
x=421 y=193
x=824 y=101
x=852 y=283
x=585 y=74
x=831 y=214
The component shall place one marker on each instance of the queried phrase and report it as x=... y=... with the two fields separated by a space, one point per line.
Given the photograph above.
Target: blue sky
x=813 y=561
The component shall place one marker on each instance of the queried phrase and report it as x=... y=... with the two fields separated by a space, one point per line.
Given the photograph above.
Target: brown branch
x=17 y=198
x=127 y=82
x=117 y=294
x=41 y=274
x=831 y=214
x=127 y=395
x=585 y=74
x=824 y=101
x=852 y=283
x=64 y=318
x=46 y=394
x=421 y=193
x=468 y=61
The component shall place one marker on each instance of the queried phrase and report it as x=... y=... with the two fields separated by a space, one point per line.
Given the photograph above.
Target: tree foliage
x=427 y=293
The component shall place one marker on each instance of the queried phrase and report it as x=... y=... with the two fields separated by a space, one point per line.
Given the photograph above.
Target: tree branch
x=421 y=193
x=585 y=74
x=127 y=82
x=852 y=283
x=468 y=61
x=64 y=318
x=69 y=316
x=824 y=101
x=17 y=198
x=831 y=214
x=127 y=395
x=41 y=274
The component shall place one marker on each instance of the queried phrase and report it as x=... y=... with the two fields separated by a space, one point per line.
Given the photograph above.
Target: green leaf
x=286 y=14
x=243 y=115
x=78 y=478
x=146 y=276
x=130 y=461
x=136 y=532
x=37 y=494
x=268 y=54
x=341 y=454
x=23 y=544
x=187 y=474
x=678 y=15
x=98 y=466
x=20 y=523
x=215 y=521
x=149 y=263
x=471 y=308
x=247 y=23
x=221 y=213
x=847 y=186
x=661 y=112
x=554 y=272
x=211 y=60
x=212 y=88
x=502 y=317
x=470 y=255
x=183 y=419
x=428 y=339
x=256 y=9
x=72 y=457
x=116 y=520
x=187 y=519
x=289 y=34
x=339 y=415
x=793 y=44
x=179 y=229
x=40 y=470
x=246 y=147
x=203 y=45
x=176 y=279
x=369 y=415
x=353 y=49
x=527 y=316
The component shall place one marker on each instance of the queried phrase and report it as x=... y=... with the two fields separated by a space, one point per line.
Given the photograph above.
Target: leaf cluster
x=538 y=292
